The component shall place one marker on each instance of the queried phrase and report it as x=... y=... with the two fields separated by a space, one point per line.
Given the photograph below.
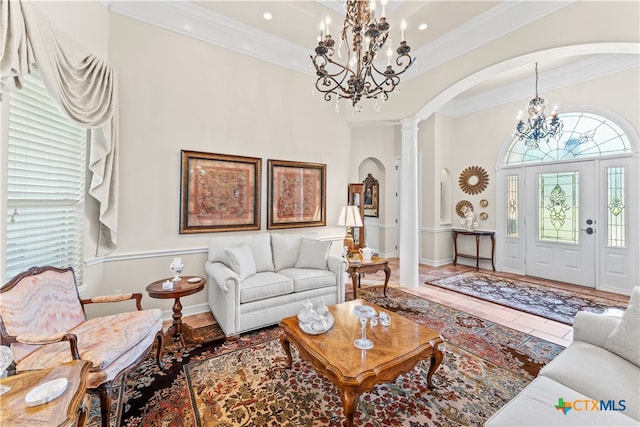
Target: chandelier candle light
x=537 y=128
x=360 y=76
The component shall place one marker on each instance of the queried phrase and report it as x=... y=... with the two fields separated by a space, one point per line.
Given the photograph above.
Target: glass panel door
x=560 y=223
x=558 y=207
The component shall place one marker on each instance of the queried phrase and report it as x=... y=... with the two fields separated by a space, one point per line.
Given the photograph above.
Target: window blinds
x=46 y=179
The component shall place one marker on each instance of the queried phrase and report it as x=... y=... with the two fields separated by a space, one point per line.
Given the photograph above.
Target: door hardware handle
x=588 y=230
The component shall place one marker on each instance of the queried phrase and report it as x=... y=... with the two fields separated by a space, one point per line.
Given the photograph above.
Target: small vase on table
x=176 y=267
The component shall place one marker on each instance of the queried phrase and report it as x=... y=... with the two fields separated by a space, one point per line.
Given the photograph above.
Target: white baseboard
x=472 y=263
x=511 y=271
x=615 y=290
x=436 y=263
x=187 y=311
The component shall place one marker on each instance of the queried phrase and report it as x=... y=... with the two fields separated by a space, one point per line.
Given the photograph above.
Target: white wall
x=475 y=140
x=373 y=151
x=180 y=93
x=582 y=27
x=479 y=137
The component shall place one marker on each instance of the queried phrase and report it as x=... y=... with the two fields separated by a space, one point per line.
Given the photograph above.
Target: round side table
x=180 y=289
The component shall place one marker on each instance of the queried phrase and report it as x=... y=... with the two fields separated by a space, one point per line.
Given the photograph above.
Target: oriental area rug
x=244 y=382
x=544 y=301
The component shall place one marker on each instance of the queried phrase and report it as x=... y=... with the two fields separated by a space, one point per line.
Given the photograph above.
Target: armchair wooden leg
x=104 y=393
x=160 y=343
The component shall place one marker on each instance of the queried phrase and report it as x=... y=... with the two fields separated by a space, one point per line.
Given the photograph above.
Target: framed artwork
x=219 y=192
x=370 y=196
x=296 y=194
x=355 y=197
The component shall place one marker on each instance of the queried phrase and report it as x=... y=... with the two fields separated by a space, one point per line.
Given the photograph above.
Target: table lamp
x=350 y=217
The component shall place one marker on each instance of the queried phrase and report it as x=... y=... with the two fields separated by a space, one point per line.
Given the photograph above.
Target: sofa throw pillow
x=241 y=260
x=285 y=250
x=313 y=254
x=260 y=246
x=625 y=338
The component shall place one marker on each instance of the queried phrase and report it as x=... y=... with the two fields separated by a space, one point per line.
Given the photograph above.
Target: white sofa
x=256 y=280
x=597 y=377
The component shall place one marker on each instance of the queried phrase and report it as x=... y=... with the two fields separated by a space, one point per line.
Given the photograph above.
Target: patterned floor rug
x=551 y=303
x=146 y=379
x=245 y=382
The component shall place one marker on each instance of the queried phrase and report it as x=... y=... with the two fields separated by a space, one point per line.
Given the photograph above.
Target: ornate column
x=409 y=249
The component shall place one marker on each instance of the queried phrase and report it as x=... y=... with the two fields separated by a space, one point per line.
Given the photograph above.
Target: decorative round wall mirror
x=460 y=205
x=473 y=180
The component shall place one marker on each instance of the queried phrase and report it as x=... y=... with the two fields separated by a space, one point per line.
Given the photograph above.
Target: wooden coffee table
x=70 y=408
x=397 y=349
x=357 y=267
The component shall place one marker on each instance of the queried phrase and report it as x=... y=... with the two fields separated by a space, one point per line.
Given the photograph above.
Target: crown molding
x=498 y=21
x=338 y=5
x=189 y=19
x=578 y=72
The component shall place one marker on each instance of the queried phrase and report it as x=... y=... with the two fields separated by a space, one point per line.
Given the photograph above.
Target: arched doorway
x=570 y=205
x=374 y=169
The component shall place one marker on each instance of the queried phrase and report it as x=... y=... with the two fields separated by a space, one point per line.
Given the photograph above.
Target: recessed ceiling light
x=422 y=27
x=267 y=16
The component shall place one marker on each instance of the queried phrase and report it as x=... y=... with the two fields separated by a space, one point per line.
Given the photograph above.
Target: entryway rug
x=245 y=382
x=545 y=301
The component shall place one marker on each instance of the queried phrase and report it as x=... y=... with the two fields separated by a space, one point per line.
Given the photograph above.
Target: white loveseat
x=256 y=280
x=596 y=378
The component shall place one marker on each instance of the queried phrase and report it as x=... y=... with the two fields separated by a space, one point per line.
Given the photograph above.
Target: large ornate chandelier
x=537 y=127
x=360 y=76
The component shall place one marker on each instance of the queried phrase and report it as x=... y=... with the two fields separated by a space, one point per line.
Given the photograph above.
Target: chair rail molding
x=142 y=255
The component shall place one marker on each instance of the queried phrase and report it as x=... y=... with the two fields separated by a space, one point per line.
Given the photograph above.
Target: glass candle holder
x=364 y=313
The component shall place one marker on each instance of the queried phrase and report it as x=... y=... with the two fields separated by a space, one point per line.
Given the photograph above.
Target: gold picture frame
x=355 y=197
x=370 y=196
x=296 y=194
x=219 y=192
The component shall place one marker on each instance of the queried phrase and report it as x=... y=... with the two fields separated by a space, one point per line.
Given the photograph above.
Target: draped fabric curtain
x=83 y=85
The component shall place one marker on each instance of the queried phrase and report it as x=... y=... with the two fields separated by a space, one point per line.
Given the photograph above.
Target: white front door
x=560 y=223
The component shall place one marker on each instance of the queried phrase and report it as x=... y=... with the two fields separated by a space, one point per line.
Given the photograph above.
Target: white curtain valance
x=85 y=87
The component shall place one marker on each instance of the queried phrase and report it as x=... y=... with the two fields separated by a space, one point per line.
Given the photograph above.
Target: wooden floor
x=534 y=325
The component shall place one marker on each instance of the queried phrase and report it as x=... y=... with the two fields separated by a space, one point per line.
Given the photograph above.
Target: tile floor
x=534 y=325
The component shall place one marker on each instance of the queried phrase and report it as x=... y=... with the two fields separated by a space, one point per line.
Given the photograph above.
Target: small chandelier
x=537 y=128
x=359 y=76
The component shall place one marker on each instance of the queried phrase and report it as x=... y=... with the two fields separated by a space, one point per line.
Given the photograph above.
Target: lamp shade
x=350 y=216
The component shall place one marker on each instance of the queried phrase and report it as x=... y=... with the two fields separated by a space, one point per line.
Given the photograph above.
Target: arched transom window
x=584 y=135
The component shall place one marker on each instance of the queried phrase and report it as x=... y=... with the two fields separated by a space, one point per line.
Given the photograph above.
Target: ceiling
x=453 y=27
x=440 y=16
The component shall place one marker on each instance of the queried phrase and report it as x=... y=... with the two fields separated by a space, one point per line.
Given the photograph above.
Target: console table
x=478 y=234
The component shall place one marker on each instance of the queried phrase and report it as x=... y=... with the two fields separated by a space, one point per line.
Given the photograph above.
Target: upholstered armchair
x=42 y=317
